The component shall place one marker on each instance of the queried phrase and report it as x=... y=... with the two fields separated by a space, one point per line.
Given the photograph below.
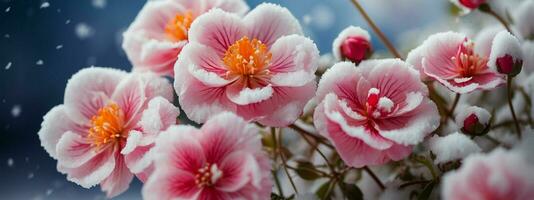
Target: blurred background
x=42 y=43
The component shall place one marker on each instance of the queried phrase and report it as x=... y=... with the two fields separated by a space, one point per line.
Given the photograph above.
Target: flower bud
x=506 y=55
x=474 y=121
x=352 y=44
x=471 y=4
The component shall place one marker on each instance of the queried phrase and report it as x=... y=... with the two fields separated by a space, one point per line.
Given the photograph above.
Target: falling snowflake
x=59 y=46
x=45 y=5
x=39 y=62
x=30 y=175
x=16 y=110
x=7 y=35
x=8 y=9
x=68 y=21
x=10 y=162
x=49 y=192
x=83 y=31
x=8 y=65
x=99 y=3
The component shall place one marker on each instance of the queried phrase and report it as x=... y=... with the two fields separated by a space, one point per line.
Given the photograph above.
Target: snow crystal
x=385 y=103
x=59 y=46
x=39 y=62
x=8 y=65
x=15 y=111
x=7 y=35
x=83 y=31
x=49 y=192
x=99 y=3
x=8 y=9
x=68 y=21
x=45 y=5
x=451 y=147
x=30 y=175
x=10 y=162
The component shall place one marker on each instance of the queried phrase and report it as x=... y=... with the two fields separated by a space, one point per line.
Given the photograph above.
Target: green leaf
x=351 y=191
x=307 y=171
x=322 y=191
x=425 y=194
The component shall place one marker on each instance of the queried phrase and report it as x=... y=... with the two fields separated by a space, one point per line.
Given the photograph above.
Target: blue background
x=29 y=33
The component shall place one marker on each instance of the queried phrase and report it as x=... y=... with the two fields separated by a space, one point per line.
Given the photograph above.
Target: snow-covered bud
x=354 y=44
x=474 y=120
x=506 y=56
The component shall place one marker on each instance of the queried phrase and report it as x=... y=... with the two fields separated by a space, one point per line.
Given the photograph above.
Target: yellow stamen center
x=107 y=126
x=248 y=59
x=177 y=28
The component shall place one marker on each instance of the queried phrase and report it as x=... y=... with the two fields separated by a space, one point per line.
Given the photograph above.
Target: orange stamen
x=177 y=28
x=107 y=126
x=247 y=59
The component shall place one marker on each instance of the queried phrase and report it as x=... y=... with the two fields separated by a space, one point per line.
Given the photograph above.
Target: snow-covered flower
x=259 y=66
x=353 y=43
x=375 y=112
x=160 y=31
x=498 y=175
x=455 y=62
x=468 y=5
x=103 y=131
x=506 y=54
x=451 y=147
x=222 y=160
x=523 y=18
x=473 y=120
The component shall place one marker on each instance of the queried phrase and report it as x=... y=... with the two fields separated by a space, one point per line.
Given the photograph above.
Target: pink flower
x=108 y=123
x=222 y=160
x=353 y=43
x=498 y=175
x=375 y=112
x=259 y=66
x=160 y=31
x=455 y=62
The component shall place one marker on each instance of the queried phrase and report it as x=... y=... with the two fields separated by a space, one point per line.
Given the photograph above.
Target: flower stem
x=454 y=104
x=375 y=178
x=377 y=30
x=283 y=157
x=501 y=20
x=277 y=183
x=509 y=86
x=318 y=151
x=318 y=139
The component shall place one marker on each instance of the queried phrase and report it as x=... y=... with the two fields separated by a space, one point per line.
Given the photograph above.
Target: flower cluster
x=248 y=77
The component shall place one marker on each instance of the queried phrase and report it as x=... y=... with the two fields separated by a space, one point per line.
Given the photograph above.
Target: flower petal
x=118 y=181
x=268 y=22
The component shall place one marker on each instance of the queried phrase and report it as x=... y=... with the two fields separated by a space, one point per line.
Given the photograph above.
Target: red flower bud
x=355 y=49
x=472 y=4
x=507 y=65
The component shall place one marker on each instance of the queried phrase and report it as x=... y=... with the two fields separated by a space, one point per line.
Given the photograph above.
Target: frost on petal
x=55 y=124
x=484 y=39
x=464 y=117
x=244 y=96
x=89 y=90
x=452 y=147
x=415 y=58
x=268 y=22
x=500 y=175
x=159 y=115
x=295 y=60
x=440 y=48
x=92 y=172
x=118 y=181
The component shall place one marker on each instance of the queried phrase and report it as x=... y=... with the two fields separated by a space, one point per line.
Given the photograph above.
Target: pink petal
x=89 y=90
x=212 y=194
x=130 y=98
x=217 y=29
x=239 y=94
x=176 y=149
x=341 y=79
x=170 y=184
x=159 y=115
x=415 y=58
x=155 y=86
x=118 y=181
x=73 y=150
x=235 y=171
x=139 y=159
x=268 y=22
x=55 y=124
x=440 y=48
x=93 y=171
x=202 y=57
x=295 y=60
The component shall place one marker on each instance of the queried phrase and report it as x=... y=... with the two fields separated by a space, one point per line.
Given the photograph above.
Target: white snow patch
x=45 y=5
x=8 y=65
x=39 y=62
x=451 y=147
x=83 y=30
x=482 y=114
x=10 y=162
x=16 y=110
x=385 y=104
x=503 y=44
x=99 y=3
